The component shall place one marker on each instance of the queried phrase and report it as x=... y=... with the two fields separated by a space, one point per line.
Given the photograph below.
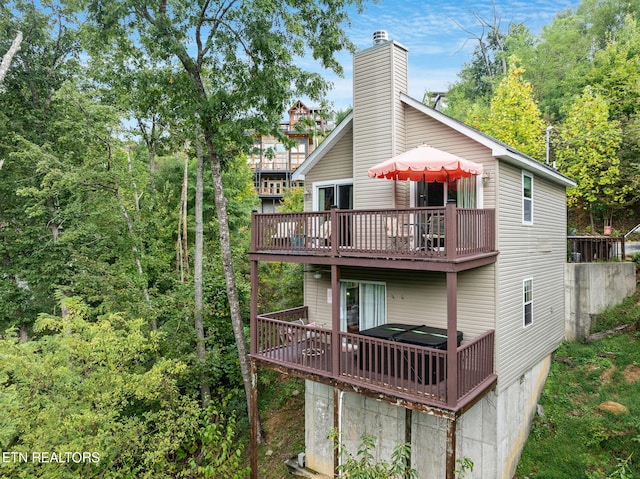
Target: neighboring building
x=273 y=162
x=493 y=271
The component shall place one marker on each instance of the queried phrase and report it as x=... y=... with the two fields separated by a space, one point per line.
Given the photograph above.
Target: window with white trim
x=336 y=193
x=527 y=302
x=527 y=199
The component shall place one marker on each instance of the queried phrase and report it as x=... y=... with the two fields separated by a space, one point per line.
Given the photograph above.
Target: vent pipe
x=380 y=36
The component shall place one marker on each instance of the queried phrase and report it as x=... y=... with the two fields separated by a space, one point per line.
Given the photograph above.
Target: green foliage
x=594 y=45
x=489 y=64
x=101 y=387
x=292 y=200
x=280 y=286
x=574 y=438
x=364 y=466
x=588 y=154
x=513 y=115
x=465 y=465
x=627 y=312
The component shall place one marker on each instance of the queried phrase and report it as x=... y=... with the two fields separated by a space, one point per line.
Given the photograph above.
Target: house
x=273 y=161
x=431 y=310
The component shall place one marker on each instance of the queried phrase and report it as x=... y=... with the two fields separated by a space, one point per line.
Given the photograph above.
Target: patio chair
x=285 y=233
x=435 y=235
x=290 y=334
x=301 y=341
x=397 y=233
x=320 y=233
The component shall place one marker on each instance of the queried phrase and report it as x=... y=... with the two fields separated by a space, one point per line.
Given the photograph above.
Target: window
x=527 y=290
x=363 y=305
x=339 y=193
x=462 y=191
x=527 y=199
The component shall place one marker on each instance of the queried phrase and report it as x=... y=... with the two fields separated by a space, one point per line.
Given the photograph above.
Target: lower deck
x=423 y=376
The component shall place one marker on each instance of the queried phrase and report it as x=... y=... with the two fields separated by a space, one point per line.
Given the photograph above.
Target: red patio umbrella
x=425 y=163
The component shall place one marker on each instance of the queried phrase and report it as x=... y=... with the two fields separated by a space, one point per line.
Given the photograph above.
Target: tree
x=242 y=64
x=6 y=59
x=559 y=62
x=32 y=128
x=513 y=116
x=588 y=154
x=489 y=64
x=96 y=393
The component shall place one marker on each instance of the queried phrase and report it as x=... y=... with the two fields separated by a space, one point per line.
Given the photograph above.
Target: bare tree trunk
x=227 y=266
x=182 y=248
x=136 y=255
x=6 y=59
x=23 y=336
x=205 y=391
x=133 y=181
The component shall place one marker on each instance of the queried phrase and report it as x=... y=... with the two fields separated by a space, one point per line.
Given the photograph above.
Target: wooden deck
x=412 y=373
x=446 y=234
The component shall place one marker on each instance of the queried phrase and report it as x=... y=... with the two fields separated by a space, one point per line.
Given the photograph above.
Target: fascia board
x=498 y=150
x=323 y=148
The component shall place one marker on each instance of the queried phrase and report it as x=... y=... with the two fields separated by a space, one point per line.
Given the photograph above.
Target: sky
x=432 y=30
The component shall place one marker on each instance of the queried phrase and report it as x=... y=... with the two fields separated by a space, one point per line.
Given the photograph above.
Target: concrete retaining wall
x=491 y=434
x=592 y=287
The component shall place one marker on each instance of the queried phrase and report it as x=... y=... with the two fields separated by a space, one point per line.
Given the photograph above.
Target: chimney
x=380 y=36
x=379 y=77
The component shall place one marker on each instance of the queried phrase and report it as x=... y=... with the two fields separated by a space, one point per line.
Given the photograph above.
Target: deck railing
x=285 y=338
x=589 y=249
x=446 y=232
x=475 y=362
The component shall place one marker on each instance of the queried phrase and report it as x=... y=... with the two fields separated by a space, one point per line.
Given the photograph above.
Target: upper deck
x=438 y=239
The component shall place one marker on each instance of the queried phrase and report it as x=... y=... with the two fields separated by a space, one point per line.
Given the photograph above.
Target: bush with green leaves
x=101 y=387
x=364 y=466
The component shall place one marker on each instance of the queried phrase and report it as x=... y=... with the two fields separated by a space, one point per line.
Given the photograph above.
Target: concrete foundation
x=590 y=288
x=491 y=434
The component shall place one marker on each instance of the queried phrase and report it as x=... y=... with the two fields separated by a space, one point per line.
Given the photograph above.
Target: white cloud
x=435 y=37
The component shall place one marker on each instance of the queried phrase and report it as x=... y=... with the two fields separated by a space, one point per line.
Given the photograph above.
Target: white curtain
x=467 y=192
x=373 y=305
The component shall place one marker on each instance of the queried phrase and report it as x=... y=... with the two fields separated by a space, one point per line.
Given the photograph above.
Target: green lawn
x=575 y=439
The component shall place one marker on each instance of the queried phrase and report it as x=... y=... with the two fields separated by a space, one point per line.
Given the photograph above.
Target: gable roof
x=324 y=147
x=499 y=150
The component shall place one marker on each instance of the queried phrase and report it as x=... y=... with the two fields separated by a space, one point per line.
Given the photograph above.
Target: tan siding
x=537 y=252
x=488 y=297
x=422 y=129
x=380 y=74
x=315 y=298
x=417 y=298
x=337 y=164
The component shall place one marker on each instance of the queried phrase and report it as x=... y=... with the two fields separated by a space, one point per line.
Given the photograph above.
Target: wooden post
x=336 y=231
x=253 y=319
x=451 y=230
x=335 y=320
x=336 y=428
x=408 y=419
x=452 y=338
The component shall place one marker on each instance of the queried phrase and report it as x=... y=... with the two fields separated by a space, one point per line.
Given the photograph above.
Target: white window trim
x=413 y=185
x=323 y=184
x=524 y=303
x=527 y=175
